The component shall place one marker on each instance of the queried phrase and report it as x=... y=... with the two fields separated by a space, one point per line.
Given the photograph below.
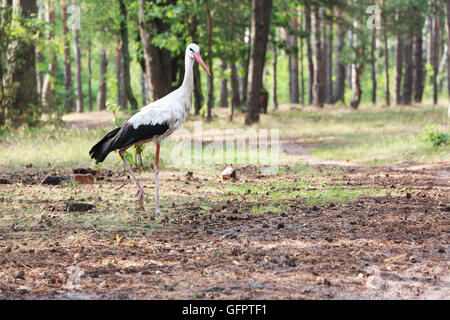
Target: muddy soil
x=389 y=247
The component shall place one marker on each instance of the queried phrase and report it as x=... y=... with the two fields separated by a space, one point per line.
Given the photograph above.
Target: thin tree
x=447 y=25
x=89 y=72
x=76 y=45
x=339 y=87
x=309 y=53
x=319 y=76
x=126 y=54
x=102 y=89
x=210 y=102
x=291 y=36
x=223 y=102
x=67 y=61
x=261 y=11
x=47 y=90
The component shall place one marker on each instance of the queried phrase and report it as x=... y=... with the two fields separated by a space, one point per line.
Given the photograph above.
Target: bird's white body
x=172 y=109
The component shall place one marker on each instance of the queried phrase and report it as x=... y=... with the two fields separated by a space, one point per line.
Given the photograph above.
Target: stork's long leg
x=140 y=192
x=157 y=178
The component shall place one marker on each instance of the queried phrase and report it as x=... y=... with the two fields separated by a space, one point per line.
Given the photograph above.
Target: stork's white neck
x=188 y=81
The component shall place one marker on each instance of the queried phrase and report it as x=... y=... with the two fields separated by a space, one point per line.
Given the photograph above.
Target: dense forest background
x=82 y=55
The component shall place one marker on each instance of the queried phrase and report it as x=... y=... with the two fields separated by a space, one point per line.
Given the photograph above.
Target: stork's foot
x=158 y=212
x=140 y=194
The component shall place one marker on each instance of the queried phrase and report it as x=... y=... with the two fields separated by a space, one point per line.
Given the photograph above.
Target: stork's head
x=193 y=52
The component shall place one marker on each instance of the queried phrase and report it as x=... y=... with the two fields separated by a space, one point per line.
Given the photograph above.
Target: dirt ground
x=387 y=247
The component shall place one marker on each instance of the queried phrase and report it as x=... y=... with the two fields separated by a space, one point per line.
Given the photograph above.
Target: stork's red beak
x=199 y=59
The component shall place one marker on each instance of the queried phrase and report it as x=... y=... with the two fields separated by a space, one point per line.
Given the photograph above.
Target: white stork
x=153 y=122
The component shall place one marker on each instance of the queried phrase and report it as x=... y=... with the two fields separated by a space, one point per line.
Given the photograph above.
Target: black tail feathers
x=101 y=150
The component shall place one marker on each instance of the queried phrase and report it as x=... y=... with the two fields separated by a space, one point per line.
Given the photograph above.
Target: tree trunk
x=302 y=70
x=340 y=67
x=274 y=75
x=329 y=63
x=198 y=96
x=223 y=87
x=398 y=70
x=210 y=65
x=318 y=88
x=409 y=70
x=101 y=96
x=70 y=106
x=293 y=62
x=434 y=56
x=309 y=52
x=47 y=90
x=235 y=94
x=39 y=55
x=126 y=54
x=357 y=69
x=76 y=44
x=373 y=65
x=261 y=10
x=447 y=8
x=419 y=67
x=20 y=77
x=121 y=93
x=89 y=72
x=386 y=69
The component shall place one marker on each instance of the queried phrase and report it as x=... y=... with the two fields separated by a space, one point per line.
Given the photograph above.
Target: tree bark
x=329 y=63
x=409 y=70
x=39 y=55
x=101 y=96
x=340 y=67
x=76 y=44
x=293 y=62
x=309 y=52
x=126 y=54
x=434 y=53
x=235 y=94
x=47 y=90
x=302 y=69
x=210 y=103
x=261 y=10
x=419 y=67
x=274 y=76
x=387 y=92
x=318 y=87
x=358 y=68
x=68 y=90
x=398 y=70
x=121 y=93
x=223 y=87
x=89 y=72
x=447 y=25
x=373 y=66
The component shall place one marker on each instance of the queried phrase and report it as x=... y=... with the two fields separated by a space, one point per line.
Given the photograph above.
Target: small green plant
x=114 y=108
x=435 y=137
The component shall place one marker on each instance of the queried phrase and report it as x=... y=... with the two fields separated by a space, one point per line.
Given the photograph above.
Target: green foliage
x=432 y=135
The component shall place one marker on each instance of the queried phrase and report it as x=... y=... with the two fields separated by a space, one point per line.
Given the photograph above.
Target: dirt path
x=385 y=247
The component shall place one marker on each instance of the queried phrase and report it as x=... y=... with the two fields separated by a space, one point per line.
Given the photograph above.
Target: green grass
x=274 y=195
x=371 y=135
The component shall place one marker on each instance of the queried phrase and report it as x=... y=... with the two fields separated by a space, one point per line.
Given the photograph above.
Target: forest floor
x=315 y=229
